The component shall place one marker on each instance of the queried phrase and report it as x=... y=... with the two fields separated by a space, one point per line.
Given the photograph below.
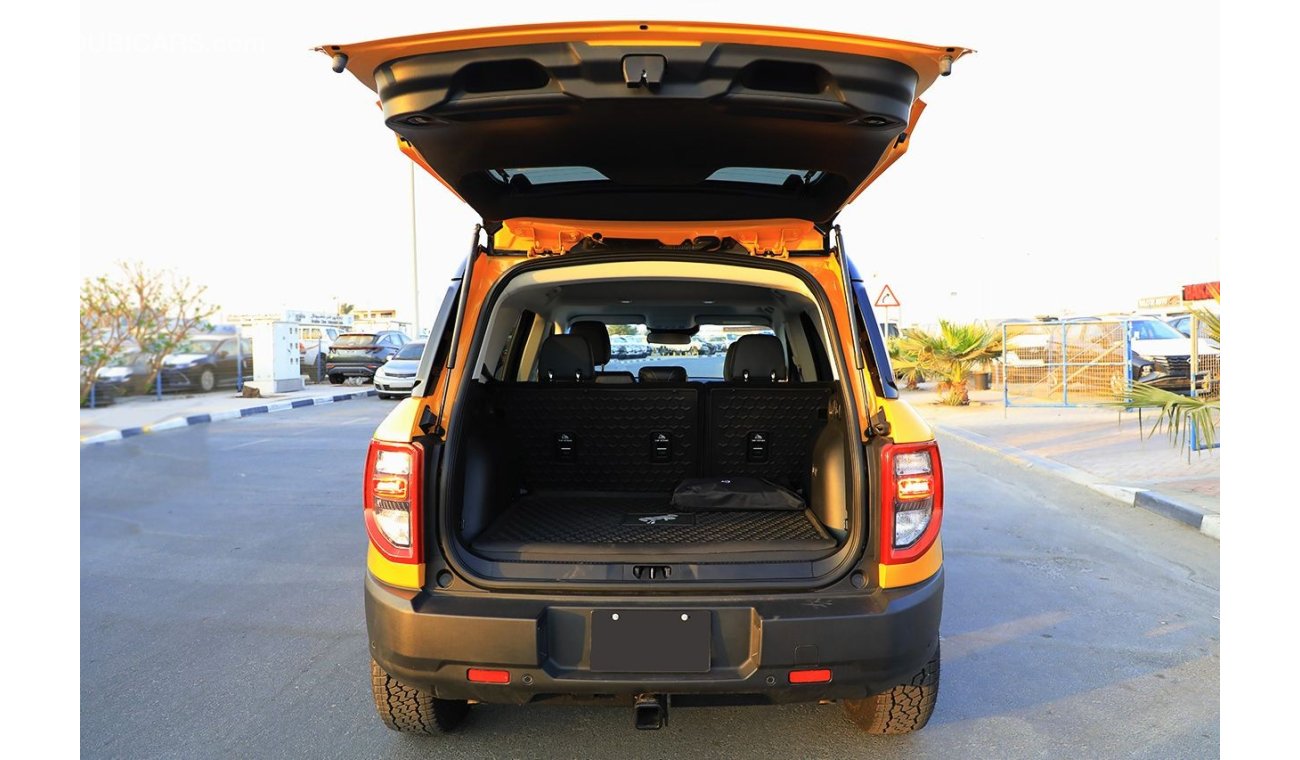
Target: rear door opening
x=710 y=443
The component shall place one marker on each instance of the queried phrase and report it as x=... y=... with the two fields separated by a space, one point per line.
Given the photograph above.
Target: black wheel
x=207 y=380
x=415 y=711
x=336 y=379
x=901 y=710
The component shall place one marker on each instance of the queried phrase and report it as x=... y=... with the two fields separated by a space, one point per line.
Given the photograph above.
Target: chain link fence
x=1064 y=363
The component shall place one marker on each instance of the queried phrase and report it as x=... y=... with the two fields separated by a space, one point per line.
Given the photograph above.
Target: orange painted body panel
x=929 y=61
x=772 y=236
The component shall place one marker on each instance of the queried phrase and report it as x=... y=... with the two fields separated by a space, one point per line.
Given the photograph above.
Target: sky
x=1070 y=166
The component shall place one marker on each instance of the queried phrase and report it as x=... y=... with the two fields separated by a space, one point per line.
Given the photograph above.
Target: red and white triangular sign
x=887 y=299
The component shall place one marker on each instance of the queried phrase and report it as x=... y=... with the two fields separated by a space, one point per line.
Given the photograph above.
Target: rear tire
x=901 y=710
x=411 y=710
x=336 y=379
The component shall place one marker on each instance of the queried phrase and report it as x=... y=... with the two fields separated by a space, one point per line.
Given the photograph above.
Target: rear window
x=759 y=175
x=749 y=175
x=355 y=340
x=410 y=351
x=702 y=358
x=552 y=175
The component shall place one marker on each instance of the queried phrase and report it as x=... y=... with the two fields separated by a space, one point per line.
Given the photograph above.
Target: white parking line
x=246 y=443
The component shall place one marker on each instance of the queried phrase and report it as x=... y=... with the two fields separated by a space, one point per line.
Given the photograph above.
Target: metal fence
x=1064 y=363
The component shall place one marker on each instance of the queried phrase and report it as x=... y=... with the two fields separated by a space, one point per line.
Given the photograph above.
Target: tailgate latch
x=644 y=70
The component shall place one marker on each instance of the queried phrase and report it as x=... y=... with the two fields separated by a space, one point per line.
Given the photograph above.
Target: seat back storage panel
x=765 y=431
x=602 y=437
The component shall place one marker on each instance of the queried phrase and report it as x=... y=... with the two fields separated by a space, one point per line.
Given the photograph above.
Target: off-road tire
x=901 y=710
x=336 y=379
x=207 y=380
x=414 y=711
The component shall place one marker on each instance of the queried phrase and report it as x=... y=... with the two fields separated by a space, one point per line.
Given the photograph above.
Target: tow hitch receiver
x=650 y=712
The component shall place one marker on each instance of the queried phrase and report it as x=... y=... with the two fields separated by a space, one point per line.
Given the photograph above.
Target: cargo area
x=567 y=455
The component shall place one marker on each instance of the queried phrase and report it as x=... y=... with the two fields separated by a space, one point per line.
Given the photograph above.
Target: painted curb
x=228 y=414
x=1153 y=501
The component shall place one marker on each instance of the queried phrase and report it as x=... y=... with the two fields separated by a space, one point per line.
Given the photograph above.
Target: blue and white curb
x=229 y=414
x=1154 y=501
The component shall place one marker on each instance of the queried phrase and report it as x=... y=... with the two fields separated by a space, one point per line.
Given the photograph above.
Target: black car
x=360 y=354
x=204 y=362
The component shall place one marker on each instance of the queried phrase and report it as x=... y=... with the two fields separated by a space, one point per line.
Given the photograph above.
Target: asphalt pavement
x=221 y=616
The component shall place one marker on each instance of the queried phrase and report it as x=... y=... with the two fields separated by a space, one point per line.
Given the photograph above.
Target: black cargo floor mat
x=602 y=527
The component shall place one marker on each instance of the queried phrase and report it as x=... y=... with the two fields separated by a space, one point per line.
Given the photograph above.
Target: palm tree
x=950 y=355
x=905 y=362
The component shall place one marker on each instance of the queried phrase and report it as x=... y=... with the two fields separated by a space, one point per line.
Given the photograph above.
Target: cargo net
x=1063 y=363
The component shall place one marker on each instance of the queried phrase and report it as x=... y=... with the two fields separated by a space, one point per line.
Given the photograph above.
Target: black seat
x=662 y=375
x=565 y=359
x=755 y=359
x=759 y=424
x=597 y=337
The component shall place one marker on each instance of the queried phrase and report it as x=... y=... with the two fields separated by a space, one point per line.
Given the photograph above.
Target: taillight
x=392 y=499
x=911 y=485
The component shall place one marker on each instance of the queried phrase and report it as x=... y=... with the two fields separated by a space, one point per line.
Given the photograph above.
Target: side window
x=436 y=347
x=875 y=352
x=246 y=345
x=512 y=352
x=226 y=348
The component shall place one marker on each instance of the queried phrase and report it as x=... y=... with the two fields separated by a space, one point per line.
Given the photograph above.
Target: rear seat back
x=571 y=433
x=593 y=437
x=758 y=424
x=765 y=431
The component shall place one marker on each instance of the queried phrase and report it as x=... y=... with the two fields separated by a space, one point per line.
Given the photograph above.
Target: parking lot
x=221 y=616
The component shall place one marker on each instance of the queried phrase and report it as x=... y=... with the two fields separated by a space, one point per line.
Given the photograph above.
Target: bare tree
x=168 y=308
x=106 y=316
x=154 y=309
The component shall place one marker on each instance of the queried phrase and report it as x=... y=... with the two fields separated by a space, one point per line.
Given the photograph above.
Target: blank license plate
x=650 y=641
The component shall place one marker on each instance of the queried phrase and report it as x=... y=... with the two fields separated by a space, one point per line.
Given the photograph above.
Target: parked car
x=1168 y=353
x=127 y=374
x=314 y=343
x=628 y=347
x=360 y=354
x=536 y=534
x=205 y=362
x=396 y=377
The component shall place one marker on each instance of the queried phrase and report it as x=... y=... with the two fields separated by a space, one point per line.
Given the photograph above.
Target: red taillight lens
x=392 y=499
x=911 y=494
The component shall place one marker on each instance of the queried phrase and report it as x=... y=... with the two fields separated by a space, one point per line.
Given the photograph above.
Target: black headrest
x=565 y=358
x=755 y=359
x=662 y=374
x=597 y=336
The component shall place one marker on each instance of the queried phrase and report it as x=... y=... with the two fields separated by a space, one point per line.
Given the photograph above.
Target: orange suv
x=551 y=521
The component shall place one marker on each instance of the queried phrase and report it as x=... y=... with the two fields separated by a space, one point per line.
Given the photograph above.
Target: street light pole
x=415 y=259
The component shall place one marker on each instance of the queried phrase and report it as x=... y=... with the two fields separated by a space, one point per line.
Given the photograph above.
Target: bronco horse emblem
x=655 y=519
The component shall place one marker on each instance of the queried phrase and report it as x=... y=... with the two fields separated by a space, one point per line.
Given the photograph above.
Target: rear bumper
x=870 y=642
x=350 y=370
